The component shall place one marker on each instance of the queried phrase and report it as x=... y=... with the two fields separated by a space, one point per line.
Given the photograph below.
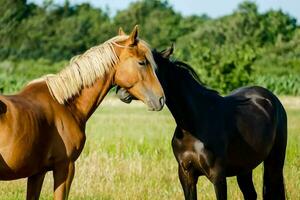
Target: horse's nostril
x=162 y=101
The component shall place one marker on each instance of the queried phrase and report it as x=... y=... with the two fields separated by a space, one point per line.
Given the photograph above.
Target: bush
x=280 y=85
x=224 y=68
x=14 y=75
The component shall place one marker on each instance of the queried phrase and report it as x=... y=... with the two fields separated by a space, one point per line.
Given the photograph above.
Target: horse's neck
x=84 y=105
x=188 y=101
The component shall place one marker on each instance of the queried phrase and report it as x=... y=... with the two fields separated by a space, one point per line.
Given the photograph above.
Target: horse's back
x=34 y=100
x=262 y=102
x=257 y=116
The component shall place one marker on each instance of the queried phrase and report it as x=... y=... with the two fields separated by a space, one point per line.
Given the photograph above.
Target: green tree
x=60 y=32
x=228 y=52
x=12 y=13
x=159 y=23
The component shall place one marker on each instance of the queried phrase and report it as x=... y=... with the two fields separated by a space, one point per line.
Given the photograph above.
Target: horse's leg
x=218 y=178
x=63 y=176
x=220 y=186
x=188 y=181
x=273 y=181
x=273 y=177
x=246 y=185
x=34 y=186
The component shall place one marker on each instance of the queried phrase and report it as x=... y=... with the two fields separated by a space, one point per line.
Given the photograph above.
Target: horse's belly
x=242 y=157
x=233 y=169
x=10 y=170
x=19 y=161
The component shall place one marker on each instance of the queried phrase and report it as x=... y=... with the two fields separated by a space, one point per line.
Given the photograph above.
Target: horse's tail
x=273 y=166
x=3 y=107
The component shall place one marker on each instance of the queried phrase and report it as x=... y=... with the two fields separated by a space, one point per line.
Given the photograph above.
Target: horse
x=42 y=128
x=220 y=136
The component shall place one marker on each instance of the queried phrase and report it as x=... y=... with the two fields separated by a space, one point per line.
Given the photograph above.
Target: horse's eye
x=144 y=62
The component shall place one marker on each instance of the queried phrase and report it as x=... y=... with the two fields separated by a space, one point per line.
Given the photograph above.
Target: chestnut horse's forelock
x=148 y=53
x=85 y=69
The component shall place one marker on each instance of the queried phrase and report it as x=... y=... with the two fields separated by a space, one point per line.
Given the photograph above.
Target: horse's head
x=123 y=93
x=135 y=71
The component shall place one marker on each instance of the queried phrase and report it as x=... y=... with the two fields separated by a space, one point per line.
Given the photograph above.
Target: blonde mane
x=83 y=70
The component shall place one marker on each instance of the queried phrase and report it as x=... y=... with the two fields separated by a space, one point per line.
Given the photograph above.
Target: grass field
x=128 y=156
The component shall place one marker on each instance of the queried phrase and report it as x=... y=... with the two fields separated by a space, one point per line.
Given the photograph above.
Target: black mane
x=189 y=69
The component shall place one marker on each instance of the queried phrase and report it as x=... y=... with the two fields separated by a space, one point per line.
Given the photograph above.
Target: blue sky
x=213 y=8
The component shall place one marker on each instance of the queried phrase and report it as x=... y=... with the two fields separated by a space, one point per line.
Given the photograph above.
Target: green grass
x=128 y=155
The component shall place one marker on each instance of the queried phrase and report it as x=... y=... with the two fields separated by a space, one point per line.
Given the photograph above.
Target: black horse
x=222 y=136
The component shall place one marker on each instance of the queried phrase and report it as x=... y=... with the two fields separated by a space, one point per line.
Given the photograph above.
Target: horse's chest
x=74 y=146
x=190 y=152
x=73 y=140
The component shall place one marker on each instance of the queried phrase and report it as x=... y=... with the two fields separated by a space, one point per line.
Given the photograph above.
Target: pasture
x=128 y=155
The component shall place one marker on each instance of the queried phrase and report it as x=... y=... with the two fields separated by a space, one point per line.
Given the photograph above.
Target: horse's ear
x=121 y=32
x=167 y=52
x=133 y=37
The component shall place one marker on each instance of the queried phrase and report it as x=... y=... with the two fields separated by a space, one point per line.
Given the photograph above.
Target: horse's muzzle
x=156 y=105
x=124 y=95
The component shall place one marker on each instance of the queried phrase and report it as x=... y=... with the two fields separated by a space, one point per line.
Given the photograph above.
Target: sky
x=213 y=8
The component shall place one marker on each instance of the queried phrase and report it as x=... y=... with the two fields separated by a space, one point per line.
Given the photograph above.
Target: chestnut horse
x=222 y=136
x=42 y=128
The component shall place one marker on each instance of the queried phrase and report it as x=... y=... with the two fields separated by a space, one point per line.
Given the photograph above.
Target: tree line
x=243 y=48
